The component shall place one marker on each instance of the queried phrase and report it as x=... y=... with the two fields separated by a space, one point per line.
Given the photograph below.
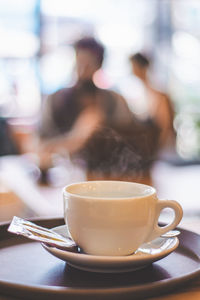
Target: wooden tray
x=27 y=271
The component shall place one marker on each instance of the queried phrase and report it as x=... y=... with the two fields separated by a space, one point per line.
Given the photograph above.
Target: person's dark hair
x=140 y=59
x=89 y=43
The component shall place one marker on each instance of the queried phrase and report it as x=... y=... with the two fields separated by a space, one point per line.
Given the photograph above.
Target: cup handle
x=158 y=230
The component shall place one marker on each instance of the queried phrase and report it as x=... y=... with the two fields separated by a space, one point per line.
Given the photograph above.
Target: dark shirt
x=62 y=108
x=122 y=144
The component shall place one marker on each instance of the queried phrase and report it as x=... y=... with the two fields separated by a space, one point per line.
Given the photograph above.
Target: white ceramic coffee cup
x=115 y=217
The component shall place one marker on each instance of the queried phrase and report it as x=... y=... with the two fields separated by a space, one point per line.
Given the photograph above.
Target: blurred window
x=19 y=47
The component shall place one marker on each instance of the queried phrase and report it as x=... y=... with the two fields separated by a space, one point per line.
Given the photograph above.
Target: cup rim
x=65 y=192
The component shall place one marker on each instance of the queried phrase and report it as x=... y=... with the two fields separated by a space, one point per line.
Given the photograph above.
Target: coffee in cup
x=115 y=217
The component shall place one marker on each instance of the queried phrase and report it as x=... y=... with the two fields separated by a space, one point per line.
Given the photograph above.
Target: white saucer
x=145 y=255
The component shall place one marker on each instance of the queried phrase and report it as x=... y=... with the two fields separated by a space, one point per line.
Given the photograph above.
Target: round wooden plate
x=27 y=271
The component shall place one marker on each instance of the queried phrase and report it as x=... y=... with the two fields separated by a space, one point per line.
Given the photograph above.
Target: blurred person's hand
x=86 y=124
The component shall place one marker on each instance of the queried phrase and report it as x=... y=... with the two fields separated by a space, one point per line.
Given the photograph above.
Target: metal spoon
x=171 y=233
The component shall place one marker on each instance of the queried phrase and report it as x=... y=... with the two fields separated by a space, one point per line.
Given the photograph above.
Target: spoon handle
x=171 y=233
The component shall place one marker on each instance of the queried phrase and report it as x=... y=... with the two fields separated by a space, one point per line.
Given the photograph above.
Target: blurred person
x=159 y=105
x=8 y=145
x=92 y=124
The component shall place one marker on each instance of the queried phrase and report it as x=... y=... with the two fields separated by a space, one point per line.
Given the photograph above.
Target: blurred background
x=37 y=58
